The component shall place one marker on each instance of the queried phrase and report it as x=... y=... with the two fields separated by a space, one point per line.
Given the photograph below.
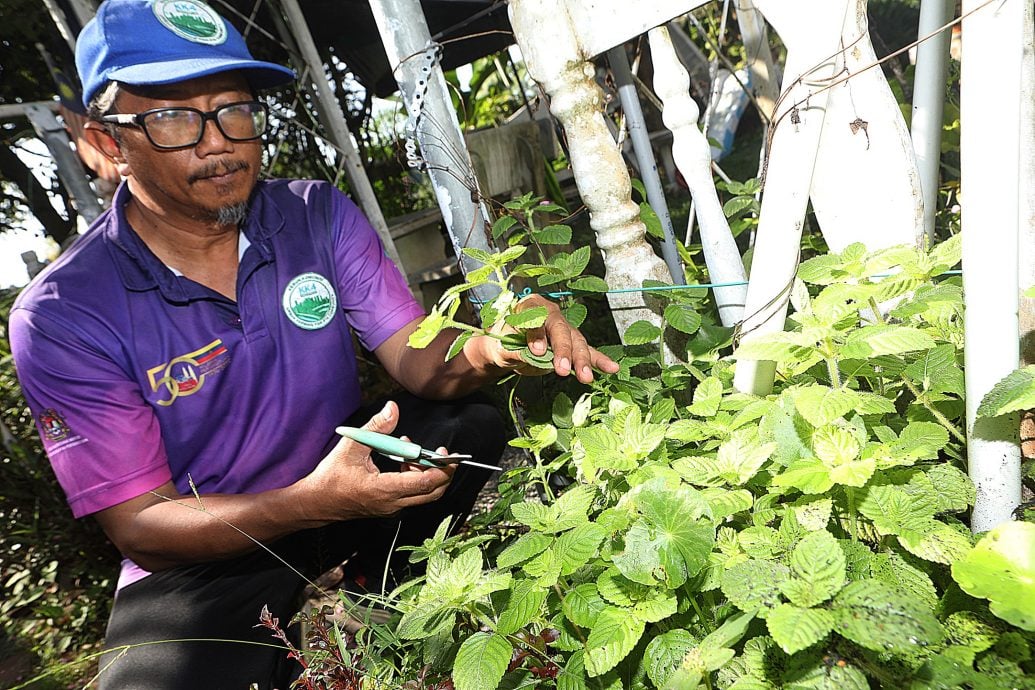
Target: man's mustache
x=217 y=168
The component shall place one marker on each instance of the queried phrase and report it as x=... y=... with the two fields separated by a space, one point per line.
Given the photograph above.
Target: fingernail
x=565 y=364
x=386 y=411
x=587 y=373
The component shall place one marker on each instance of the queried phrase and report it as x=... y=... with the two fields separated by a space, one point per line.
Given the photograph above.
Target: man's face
x=200 y=181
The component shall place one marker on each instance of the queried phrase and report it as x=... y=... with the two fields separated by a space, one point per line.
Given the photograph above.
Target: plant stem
x=832 y=369
x=876 y=311
x=942 y=419
x=853 y=526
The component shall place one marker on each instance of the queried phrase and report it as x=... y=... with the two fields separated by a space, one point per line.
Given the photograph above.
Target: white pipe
x=1026 y=254
x=644 y=152
x=932 y=67
x=811 y=30
x=338 y=128
x=990 y=110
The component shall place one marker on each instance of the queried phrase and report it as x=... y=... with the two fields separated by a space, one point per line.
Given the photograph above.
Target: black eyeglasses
x=177 y=128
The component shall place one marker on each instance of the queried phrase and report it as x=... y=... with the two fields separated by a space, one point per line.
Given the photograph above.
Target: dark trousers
x=171 y=617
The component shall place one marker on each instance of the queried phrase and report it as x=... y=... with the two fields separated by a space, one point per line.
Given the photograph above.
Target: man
x=189 y=358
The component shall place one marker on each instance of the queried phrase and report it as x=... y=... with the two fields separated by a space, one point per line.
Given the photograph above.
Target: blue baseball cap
x=146 y=42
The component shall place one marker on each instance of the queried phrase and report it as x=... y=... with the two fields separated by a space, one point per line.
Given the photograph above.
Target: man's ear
x=101 y=139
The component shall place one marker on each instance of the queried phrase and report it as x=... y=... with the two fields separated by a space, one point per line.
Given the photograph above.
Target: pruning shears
x=407 y=451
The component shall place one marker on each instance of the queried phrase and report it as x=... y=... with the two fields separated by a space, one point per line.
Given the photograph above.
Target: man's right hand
x=347 y=485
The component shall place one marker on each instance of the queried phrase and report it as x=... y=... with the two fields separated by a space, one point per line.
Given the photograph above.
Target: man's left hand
x=571 y=352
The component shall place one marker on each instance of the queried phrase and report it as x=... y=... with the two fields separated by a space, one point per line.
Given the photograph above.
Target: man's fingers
x=384 y=421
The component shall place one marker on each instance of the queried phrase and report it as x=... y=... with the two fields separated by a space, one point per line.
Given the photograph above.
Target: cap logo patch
x=310 y=301
x=191 y=20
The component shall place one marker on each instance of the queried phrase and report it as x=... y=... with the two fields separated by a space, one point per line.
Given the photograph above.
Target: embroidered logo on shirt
x=194 y=21
x=309 y=301
x=53 y=425
x=185 y=375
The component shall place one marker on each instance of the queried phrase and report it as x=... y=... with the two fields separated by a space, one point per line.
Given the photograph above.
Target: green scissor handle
x=382 y=443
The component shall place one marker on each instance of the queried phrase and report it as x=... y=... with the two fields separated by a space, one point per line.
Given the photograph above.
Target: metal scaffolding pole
x=932 y=67
x=359 y=183
x=70 y=168
x=645 y=158
x=414 y=61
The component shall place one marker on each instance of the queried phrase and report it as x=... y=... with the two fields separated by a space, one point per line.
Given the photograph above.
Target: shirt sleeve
x=102 y=438
x=373 y=291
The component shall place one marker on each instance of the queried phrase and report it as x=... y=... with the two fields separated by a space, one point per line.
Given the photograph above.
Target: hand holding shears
x=407 y=451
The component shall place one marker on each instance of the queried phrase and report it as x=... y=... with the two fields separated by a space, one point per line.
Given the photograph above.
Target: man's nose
x=212 y=139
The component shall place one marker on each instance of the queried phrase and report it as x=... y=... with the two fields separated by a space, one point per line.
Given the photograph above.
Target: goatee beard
x=233 y=214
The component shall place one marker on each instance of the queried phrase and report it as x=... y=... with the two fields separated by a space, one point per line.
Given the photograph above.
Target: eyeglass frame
x=137 y=120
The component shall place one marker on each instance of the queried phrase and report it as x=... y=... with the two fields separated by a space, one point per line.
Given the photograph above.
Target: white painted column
x=547 y=38
x=990 y=116
x=811 y=30
x=694 y=159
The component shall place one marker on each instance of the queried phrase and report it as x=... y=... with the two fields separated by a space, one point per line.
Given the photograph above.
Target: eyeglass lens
x=176 y=127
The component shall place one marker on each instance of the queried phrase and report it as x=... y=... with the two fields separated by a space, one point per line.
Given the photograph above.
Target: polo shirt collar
x=141 y=270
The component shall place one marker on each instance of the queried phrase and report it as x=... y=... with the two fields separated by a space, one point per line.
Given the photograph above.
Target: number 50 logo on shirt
x=185 y=375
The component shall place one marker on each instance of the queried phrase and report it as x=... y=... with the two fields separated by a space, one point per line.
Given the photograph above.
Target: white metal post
x=411 y=54
x=932 y=67
x=338 y=128
x=619 y=62
x=989 y=160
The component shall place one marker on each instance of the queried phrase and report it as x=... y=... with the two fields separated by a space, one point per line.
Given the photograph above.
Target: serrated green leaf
x=525 y=600
x=659 y=606
x=481 y=662
x=575 y=314
x=533 y=317
x=528 y=545
x=664 y=654
x=583 y=604
x=808 y=476
x=641 y=333
x=502 y=224
x=683 y=318
x=937 y=371
x=920 y=441
x=707 y=397
x=1001 y=568
x=813 y=513
x=819 y=562
x=738 y=204
x=935 y=541
x=588 y=284
x=612 y=637
x=425 y=620
x=880 y=618
x=458 y=345
x=776 y=347
x=795 y=628
x=742 y=456
x=872 y=341
x=427 y=331
x=1015 y=392
x=725 y=503
x=553 y=234
x=891 y=569
x=577 y=546
x=954 y=490
x=821 y=405
x=754 y=585
x=545 y=568
x=651 y=221
x=892 y=510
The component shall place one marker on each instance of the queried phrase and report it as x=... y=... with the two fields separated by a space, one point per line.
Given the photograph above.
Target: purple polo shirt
x=137 y=375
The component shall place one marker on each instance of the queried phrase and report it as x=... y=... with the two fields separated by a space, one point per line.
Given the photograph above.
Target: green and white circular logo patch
x=194 y=21
x=310 y=301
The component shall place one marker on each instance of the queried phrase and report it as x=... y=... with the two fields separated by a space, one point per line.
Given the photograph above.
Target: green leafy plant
x=708 y=538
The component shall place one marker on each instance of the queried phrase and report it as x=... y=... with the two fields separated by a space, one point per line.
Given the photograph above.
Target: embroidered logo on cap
x=309 y=301
x=194 y=21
